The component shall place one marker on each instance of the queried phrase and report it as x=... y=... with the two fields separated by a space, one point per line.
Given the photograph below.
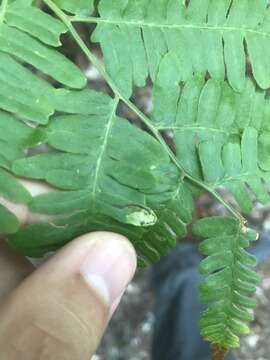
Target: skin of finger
x=13 y=270
x=53 y=314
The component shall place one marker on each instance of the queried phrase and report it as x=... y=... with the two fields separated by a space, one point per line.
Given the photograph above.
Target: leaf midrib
x=234 y=278
x=192 y=128
x=164 y=26
x=103 y=148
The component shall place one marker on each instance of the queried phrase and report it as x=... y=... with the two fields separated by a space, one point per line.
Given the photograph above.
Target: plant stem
x=99 y=66
x=218 y=353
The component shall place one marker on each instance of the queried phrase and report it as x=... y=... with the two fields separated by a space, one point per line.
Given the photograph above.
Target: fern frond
x=28 y=37
x=100 y=176
x=70 y=216
x=230 y=280
x=221 y=136
x=150 y=242
x=94 y=155
x=205 y=35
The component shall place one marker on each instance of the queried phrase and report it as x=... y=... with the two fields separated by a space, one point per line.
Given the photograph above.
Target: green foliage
x=109 y=174
x=9 y=224
x=76 y=7
x=230 y=279
x=206 y=35
x=98 y=175
x=209 y=119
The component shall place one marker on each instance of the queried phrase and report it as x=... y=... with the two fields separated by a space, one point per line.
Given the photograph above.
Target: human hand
x=60 y=310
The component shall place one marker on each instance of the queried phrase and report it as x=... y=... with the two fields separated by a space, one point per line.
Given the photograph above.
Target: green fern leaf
x=221 y=136
x=70 y=216
x=99 y=176
x=205 y=35
x=14 y=32
x=230 y=279
x=34 y=97
x=35 y=22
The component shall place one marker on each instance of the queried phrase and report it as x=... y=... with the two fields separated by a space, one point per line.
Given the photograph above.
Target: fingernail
x=109 y=267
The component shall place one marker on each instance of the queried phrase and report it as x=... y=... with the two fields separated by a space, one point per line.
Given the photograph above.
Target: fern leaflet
x=211 y=120
x=229 y=280
x=205 y=35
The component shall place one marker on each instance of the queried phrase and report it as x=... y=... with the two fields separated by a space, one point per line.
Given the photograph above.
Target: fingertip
x=110 y=264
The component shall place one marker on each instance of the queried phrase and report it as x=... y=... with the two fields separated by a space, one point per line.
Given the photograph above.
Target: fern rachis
x=109 y=174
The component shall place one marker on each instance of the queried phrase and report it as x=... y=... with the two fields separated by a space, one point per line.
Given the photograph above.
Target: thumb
x=61 y=310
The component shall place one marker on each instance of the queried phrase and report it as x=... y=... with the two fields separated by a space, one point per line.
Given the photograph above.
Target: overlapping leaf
x=150 y=242
x=26 y=34
x=27 y=38
x=204 y=35
x=230 y=280
x=110 y=173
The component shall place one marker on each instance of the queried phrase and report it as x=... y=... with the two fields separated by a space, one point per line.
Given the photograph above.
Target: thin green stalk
x=99 y=66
